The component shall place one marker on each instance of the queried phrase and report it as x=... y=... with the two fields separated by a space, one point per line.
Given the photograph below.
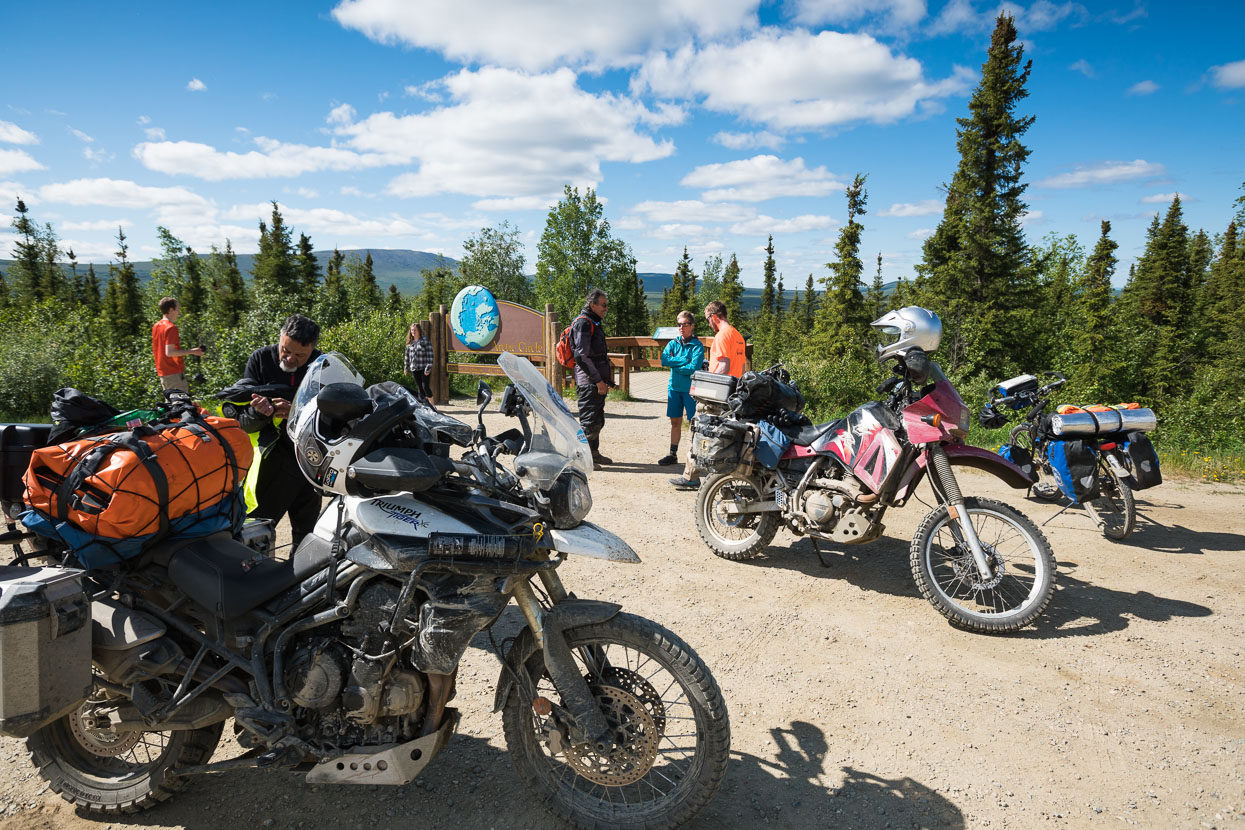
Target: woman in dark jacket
x=418 y=360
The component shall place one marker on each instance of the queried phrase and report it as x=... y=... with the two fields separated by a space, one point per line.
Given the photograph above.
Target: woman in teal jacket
x=683 y=357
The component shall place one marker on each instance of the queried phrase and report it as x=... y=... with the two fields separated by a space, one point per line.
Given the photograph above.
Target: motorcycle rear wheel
x=669 y=720
x=1115 y=509
x=105 y=772
x=1022 y=565
x=733 y=536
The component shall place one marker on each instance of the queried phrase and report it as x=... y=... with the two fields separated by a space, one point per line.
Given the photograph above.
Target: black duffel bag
x=758 y=394
x=1143 y=461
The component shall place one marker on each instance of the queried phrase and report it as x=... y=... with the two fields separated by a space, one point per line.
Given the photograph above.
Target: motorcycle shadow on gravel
x=880 y=566
x=1082 y=609
x=1176 y=539
x=793 y=789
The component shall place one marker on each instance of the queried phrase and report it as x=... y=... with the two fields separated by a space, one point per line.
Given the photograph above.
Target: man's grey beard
x=289 y=366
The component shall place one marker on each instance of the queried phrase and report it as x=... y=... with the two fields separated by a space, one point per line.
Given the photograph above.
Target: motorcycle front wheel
x=106 y=772
x=1115 y=509
x=669 y=722
x=1022 y=567
x=728 y=533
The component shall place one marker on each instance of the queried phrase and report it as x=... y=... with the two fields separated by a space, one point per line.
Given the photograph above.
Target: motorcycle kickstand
x=820 y=555
x=1059 y=513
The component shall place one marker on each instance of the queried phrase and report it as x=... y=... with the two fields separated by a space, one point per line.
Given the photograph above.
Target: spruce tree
x=52 y=275
x=26 y=273
x=394 y=299
x=767 y=285
x=841 y=320
x=123 y=305
x=732 y=291
x=875 y=300
x=229 y=295
x=1091 y=336
x=90 y=290
x=976 y=269
x=308 y=269
x=333 y=300
x=809 y=309
x=680 y=297
x=4 y=292
x=1222 y=297
x=274 y=271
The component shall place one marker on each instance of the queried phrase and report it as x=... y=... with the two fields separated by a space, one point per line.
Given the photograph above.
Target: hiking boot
x=667 y=460
x=599 y=460
x=681 y=483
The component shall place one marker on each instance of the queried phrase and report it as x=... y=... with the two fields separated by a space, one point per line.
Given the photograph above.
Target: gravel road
x=852 y=703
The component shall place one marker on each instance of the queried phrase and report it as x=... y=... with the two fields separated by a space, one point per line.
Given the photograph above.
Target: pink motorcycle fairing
x=866 y=444
x=944 y=401
x=963 y=455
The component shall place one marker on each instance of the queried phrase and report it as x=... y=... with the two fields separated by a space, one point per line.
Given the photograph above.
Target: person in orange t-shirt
x=727 y=355
x=166 y=347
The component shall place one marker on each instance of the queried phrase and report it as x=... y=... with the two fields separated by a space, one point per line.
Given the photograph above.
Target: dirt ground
x=853 y=704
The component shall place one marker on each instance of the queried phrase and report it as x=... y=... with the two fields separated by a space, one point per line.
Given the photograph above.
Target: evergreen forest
x=1173 y=338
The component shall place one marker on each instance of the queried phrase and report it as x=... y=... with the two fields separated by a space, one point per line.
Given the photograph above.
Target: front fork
x=955 y=508
x=566 y=676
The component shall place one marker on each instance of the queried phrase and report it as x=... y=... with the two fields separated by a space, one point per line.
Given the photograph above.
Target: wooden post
x=443 y=388
x=553 y=369
x=626 y=373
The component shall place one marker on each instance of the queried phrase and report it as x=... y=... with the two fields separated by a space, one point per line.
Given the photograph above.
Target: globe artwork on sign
x=474 y=316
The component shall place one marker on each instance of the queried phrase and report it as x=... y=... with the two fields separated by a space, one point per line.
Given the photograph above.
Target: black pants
x=591 y=415
x=281 y=488
x=423 y=384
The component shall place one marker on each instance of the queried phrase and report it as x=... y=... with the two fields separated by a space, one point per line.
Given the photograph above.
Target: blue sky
x=708 y=124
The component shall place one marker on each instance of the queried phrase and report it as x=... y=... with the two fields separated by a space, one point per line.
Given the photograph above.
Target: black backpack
x=73 y=409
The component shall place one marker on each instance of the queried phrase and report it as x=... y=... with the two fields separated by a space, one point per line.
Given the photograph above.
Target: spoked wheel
x=104 y=771
x=728 y=532
x=1022 y=567
x=1115 y=509
x=668 y=721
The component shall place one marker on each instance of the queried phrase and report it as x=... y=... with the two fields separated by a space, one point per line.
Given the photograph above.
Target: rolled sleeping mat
x=1097 y=423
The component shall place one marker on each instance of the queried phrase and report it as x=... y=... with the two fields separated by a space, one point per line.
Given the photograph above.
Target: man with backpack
x=593 y=376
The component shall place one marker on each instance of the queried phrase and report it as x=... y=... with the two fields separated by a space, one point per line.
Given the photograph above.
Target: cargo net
x=109 y=498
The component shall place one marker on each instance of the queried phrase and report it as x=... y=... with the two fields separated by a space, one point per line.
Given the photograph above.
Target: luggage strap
x=89 y=464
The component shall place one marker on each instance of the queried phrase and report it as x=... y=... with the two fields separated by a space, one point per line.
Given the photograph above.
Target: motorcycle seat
x=230 y=579
x=807 y=436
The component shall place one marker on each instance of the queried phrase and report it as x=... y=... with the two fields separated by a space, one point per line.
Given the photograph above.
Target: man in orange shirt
x=166 y=347
x=726 y=357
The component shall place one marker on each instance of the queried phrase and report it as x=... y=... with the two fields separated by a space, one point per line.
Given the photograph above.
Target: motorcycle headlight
x=570 y=500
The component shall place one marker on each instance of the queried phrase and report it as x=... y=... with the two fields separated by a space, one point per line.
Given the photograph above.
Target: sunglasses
x=688 y=323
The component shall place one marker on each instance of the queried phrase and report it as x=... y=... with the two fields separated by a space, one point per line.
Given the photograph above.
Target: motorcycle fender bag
x=108 y=497
x=716 y=448
x=1019 y=456
x=1076 y=469
x=1143 y=461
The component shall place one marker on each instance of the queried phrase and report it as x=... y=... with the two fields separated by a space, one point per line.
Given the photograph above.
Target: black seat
x=231 y=579
x=807 y=435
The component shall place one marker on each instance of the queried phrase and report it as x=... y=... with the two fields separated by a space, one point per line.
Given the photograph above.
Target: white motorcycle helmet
x=910 y=326
x=334 y=421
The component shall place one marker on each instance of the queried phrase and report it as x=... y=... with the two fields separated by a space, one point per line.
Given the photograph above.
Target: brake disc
x=635 y=742
x=102 y=742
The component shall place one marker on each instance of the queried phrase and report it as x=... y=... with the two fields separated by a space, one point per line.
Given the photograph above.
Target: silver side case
x=588 y=539
x=387 y=765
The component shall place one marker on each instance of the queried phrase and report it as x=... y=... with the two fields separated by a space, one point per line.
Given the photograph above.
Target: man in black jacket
x=280 y=486
x=593 y=376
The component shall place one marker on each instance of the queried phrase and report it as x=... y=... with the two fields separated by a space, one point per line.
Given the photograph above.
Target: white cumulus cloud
x=1164 y=198
x=1229 y=75
x=895 y=14
x=691 y=211
x=170 y=204
x=10 y=133
x=508 y=134
x=927 y=207
x=760 y=178
x=1143 y=88
x=341 y=114
x=920 y=234
x=1083 y=66
x=196 y=85
x=17 y=161
x=800 y=80
x=273 y=159
x=98 y=225
x=1043 y=15
x=81 y=136
x=1108 y=172
x=539 y=36
x=749 y=141
x=770 y=225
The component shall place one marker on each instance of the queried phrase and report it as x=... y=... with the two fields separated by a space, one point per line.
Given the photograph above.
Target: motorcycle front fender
x=567 y=614
x=963 y=455
x=587 y=539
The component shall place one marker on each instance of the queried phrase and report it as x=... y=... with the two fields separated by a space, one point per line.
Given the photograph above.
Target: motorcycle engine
x=820 y=507
x=350 y=691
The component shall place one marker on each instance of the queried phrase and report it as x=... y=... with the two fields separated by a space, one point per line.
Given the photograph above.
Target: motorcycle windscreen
x=865 y=443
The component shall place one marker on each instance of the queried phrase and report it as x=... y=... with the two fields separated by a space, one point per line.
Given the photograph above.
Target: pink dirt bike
x=983 y=564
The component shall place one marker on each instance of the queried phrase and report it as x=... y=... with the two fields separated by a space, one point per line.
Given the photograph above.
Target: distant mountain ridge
x=392 y=266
